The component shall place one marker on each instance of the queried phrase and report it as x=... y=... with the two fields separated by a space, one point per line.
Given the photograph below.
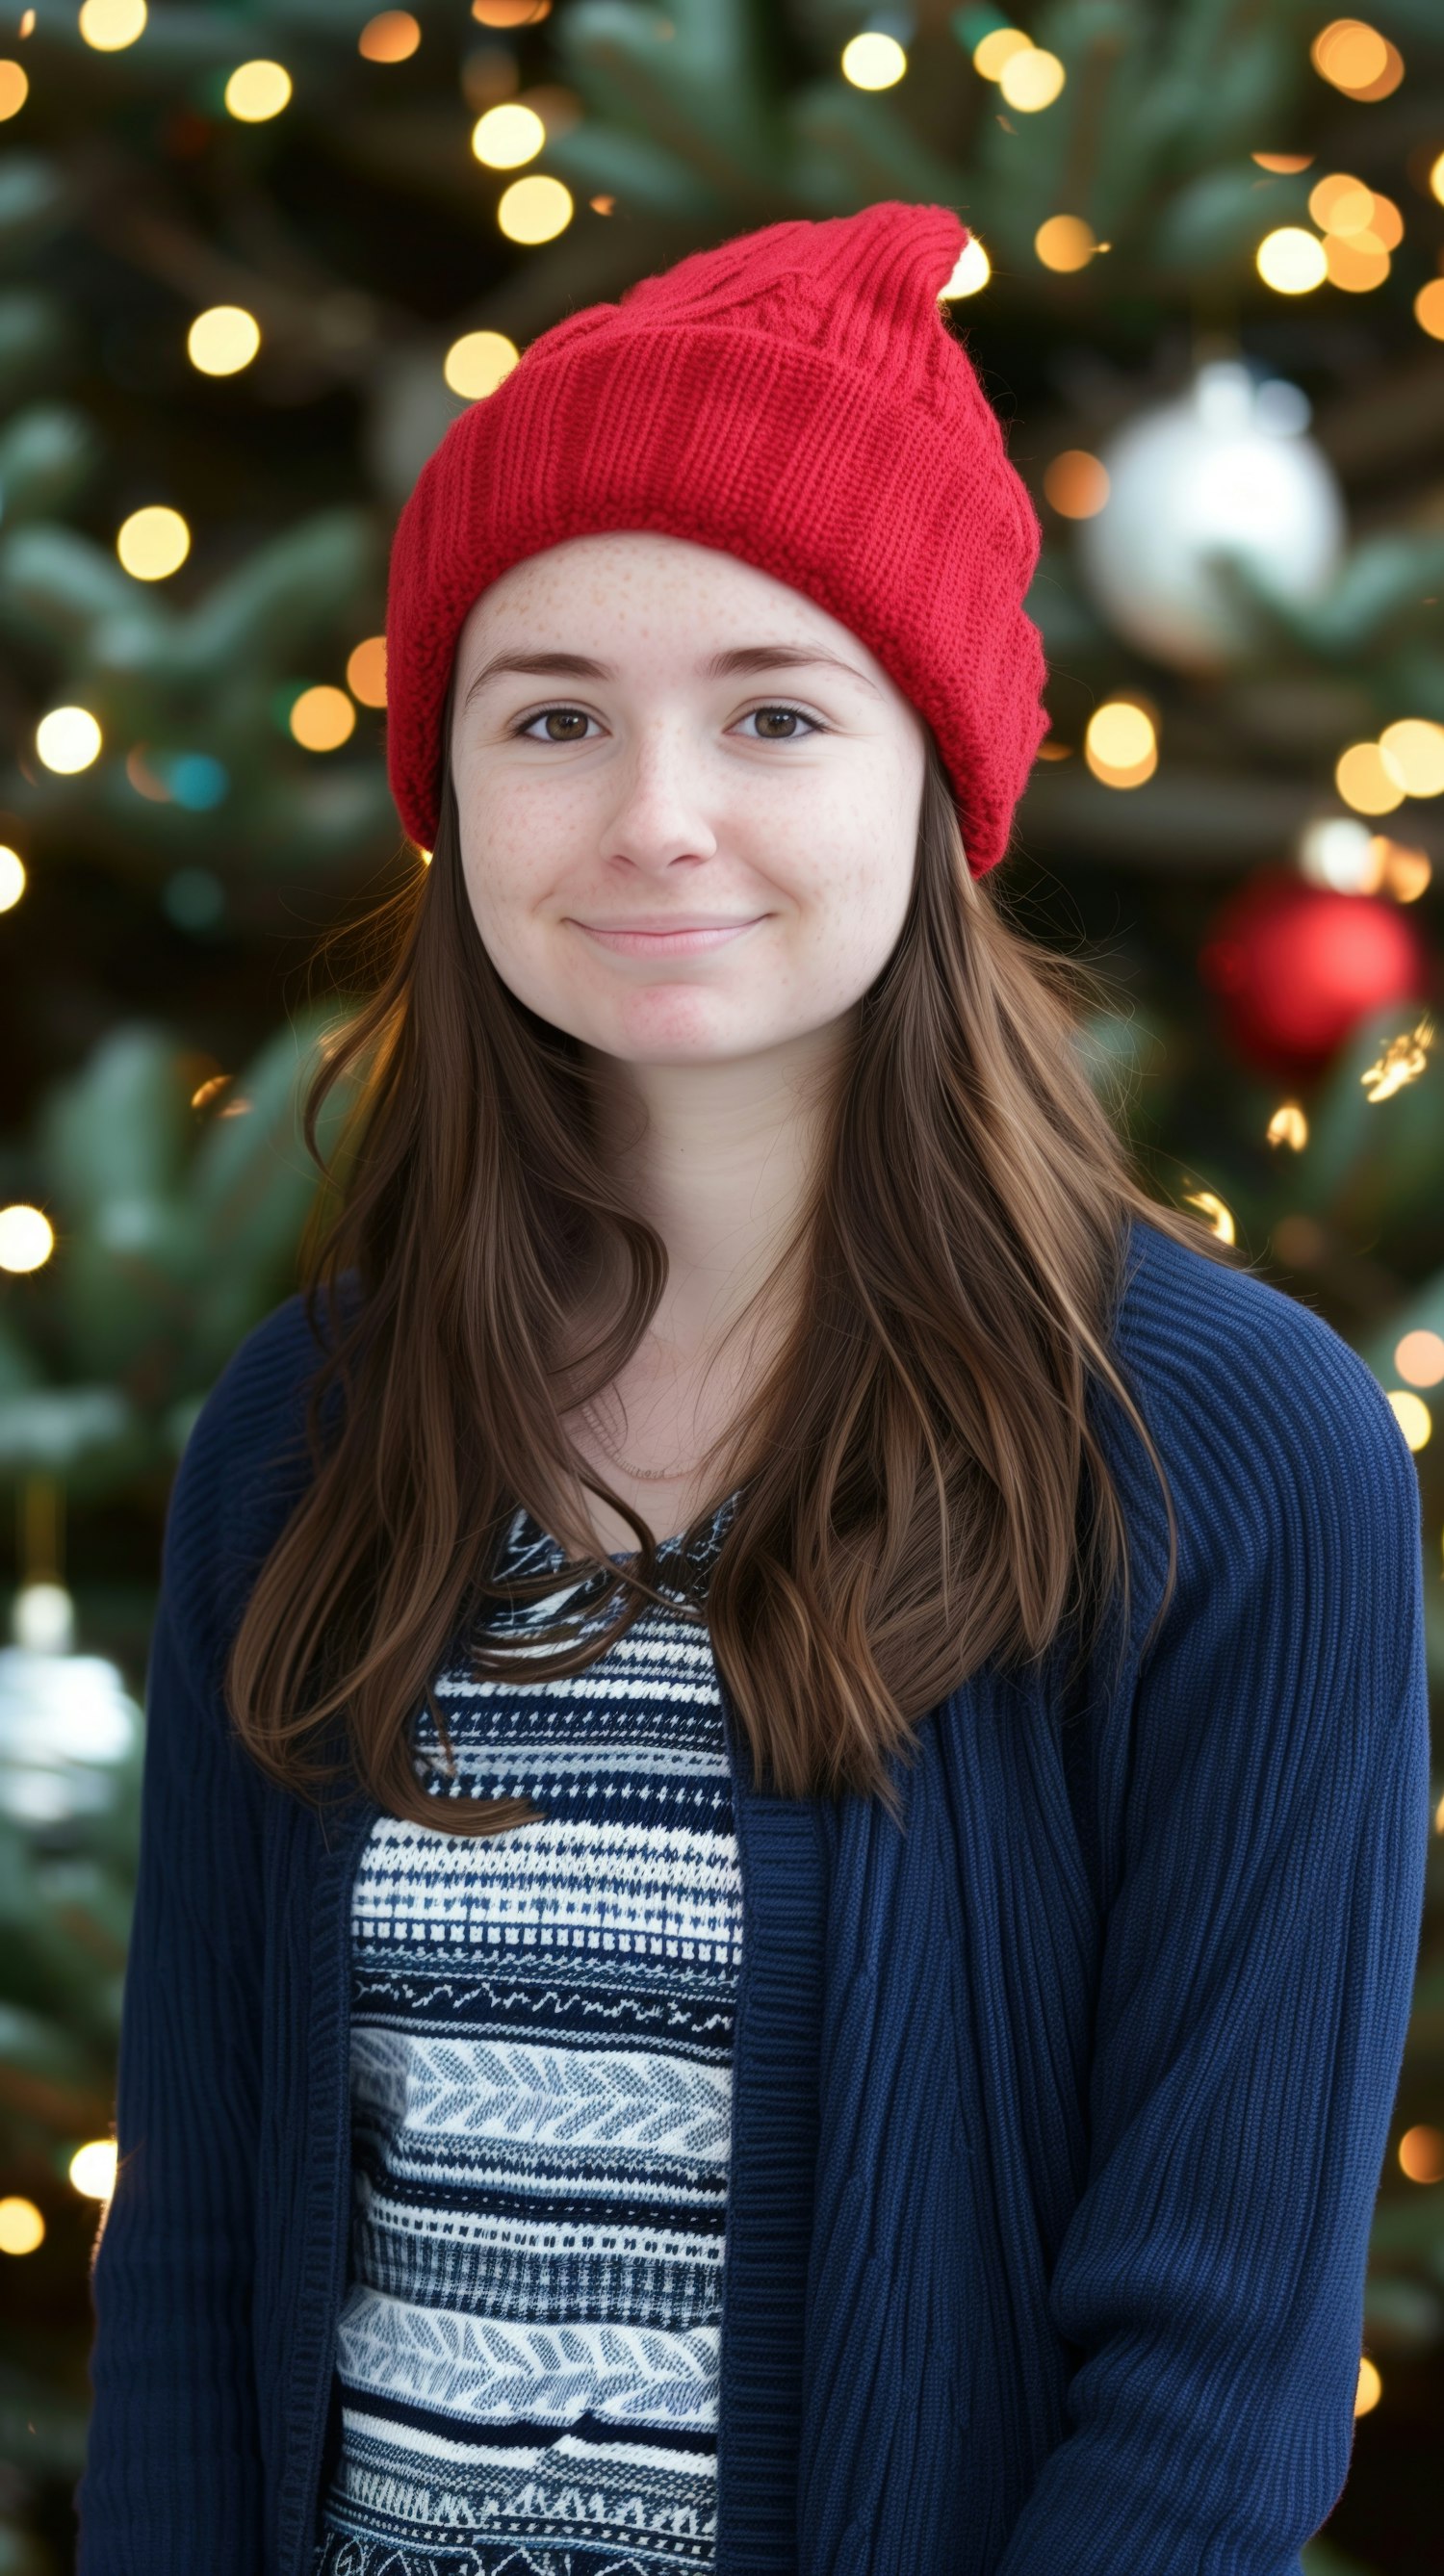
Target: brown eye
x=788 y=715
x=559 y=716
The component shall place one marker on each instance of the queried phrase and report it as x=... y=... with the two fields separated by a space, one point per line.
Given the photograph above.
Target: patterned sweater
x=540 y=2076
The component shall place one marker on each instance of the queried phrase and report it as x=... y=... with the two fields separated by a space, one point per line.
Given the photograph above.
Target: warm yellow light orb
x=92 y=2169
x=257 y=91
x=1358 y=262
x=1076 y=484
x=14 y=89
x=1429 y=308
x=366 y=671
x=223 y=339
x=27 y=1238
x=1031 y=80
x=21 y=2226
x=475 y=364
x=1365 y=781
x=153 y=543
x=873 y=62
x=322 y=719
x=110 y=25
x=508 y=135
x=391 y=37
x=998 y=48
x=12 y=877
x=1436 y=179
x=68 y=739
x=1340 y=204
x=972 y=270
x=1370 y=2388
x=1421 y=2153
x=1419 y=1357
x=1065 y=242
x=534 y=210
x=1412 y=1415
x=1291 y=260
x=1413 y=752
x=1120 y=744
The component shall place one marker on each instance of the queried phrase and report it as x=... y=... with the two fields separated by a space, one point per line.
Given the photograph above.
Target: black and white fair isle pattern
x=541 y=2077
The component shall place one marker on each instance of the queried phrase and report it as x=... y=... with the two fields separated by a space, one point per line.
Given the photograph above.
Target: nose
x=659 y=817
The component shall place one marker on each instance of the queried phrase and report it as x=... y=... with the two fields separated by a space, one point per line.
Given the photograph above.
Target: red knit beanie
x=795 y=398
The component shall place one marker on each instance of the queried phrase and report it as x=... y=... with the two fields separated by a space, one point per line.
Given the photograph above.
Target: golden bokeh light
x=1412 y=1415
x=1065 y=242
x=92 y=2169
x=1365 y=781
x=322 y=719
x=1288 y=1126
x=1031 y=80
x=67 y=740
x=222 y=340
x=110 y=25
x=1386 y=223
x=1429 y=308
x=873 y=62
x=510 y=13
x=534 y=210
x=12 y=877
x=1076 y=484
x=1358 y=262
x=1291 y=260
x=1421 y=2153
x=1120 y=744
x=1413 y=751
x=1370 y=2387
x=21 y=2226
x=997 y=48
x=478 y=362
x=1419 y=1357
x=14 y=89
x=1436 y=179
x=1340 y=204
x=153 y=543
x=507 y=136
x=1352 y=56
x=366 y=671
x=257 y=91
x=392 y=36
x=972 y=271
x=27 y=1238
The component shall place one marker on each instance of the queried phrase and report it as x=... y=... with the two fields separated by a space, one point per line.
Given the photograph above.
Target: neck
x=718 y=1158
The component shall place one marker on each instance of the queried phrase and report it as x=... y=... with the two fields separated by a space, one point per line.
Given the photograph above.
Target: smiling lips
x=666 y=938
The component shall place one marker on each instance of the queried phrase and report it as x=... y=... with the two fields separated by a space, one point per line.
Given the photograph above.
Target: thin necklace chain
x=646 y=1475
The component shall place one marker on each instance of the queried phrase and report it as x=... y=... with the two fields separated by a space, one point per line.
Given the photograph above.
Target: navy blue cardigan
x=1058 y=2115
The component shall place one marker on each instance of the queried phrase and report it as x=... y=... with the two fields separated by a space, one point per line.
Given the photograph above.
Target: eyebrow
x=740 y=659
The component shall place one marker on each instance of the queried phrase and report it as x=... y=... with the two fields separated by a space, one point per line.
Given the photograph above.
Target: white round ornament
x=1225 y=470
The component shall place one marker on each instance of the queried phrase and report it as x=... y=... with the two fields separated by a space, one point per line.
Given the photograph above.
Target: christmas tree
x=252 y=262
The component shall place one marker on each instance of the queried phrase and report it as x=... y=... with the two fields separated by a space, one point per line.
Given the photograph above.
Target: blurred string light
x=1340 y=851
x=21 y=2226
x=1419 y=1357
x=1076 y=484
x=67 y=739
x=110 y=25
x=92 y=2169
x=1412 y=1415
x=1429 y=308
x=14 y=89
x=12 y=877
x=1421 y=2153
x=1028 y=76
x=223 y=339
x=1370 y=2387
x=322 y=719
x=1402 y=1062
x=475 y=364
x=511 y=13
x=1282 y=164
x=1066 y=242
x=1217 y=1212
x=534 y=210
x=27 y=1238
x=153 y=543
x=1288 y=1126
x=972 y=270
x=257 y=91
x=507 y=136
x=366 y=671
x=1353 y=56
x=1407 y=760
x=873 y=62
x=391 y=37
x=1120 y=744
x=1291 y=260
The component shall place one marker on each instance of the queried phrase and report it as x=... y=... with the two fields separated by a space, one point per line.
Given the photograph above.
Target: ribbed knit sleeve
x=1264 y=1830
x=172 y=2481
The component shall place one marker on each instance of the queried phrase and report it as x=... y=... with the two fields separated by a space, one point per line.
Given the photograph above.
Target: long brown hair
x=909 y=1467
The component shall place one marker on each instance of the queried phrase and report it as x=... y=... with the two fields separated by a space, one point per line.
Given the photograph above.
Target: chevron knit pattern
x=541 y=2071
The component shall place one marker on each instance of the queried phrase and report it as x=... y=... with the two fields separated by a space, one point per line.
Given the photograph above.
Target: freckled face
x=674 y=858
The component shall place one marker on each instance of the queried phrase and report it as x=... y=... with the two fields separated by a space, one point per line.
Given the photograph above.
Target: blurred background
x=253 y=260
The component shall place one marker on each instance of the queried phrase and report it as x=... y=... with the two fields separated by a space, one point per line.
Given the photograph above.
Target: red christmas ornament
x=1296 y=967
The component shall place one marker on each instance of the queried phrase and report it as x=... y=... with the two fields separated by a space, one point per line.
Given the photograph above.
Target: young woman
x=786 y=1783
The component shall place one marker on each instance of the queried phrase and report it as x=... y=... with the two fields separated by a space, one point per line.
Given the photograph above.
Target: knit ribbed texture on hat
x=795 y=398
